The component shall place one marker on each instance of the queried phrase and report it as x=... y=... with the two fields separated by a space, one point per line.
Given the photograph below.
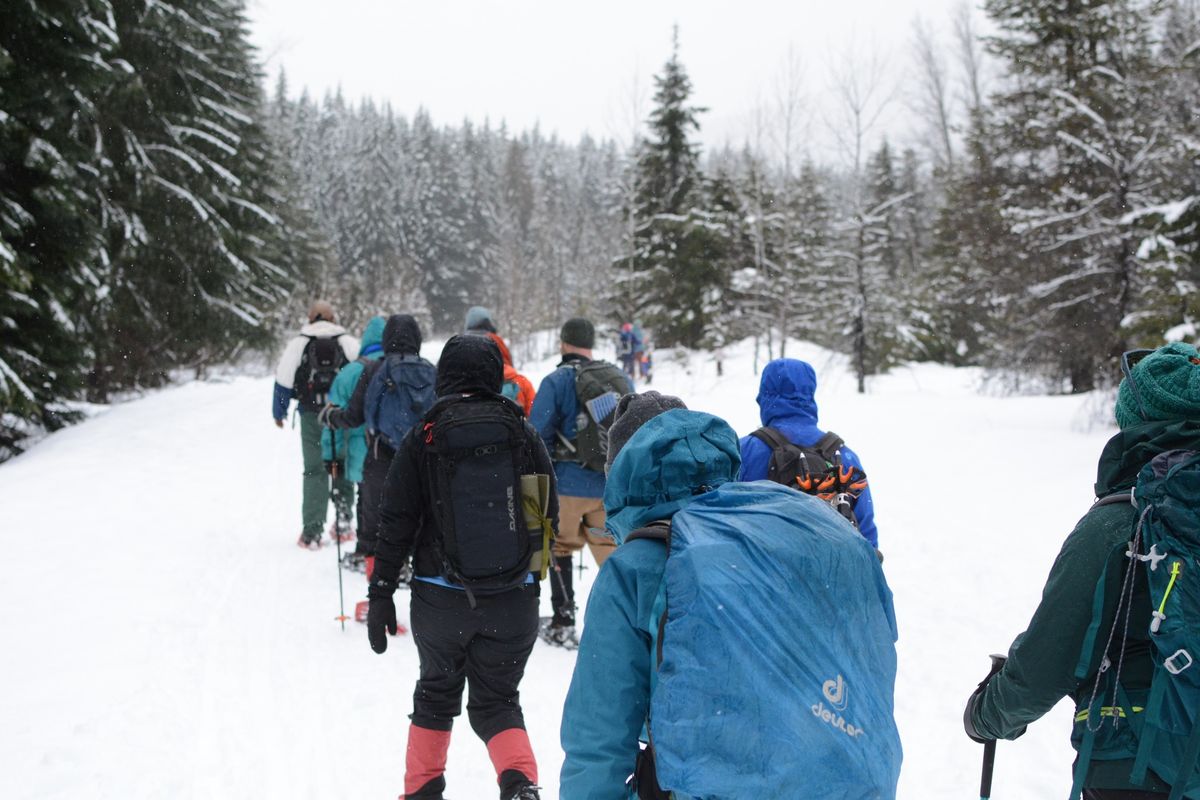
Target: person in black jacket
x=472 y=631
x=401 y=335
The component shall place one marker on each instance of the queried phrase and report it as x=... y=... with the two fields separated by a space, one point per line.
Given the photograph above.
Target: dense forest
x=162 y=210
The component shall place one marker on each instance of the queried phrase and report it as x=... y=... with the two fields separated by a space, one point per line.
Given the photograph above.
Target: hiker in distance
x=1116 y=627
x=789 y=439
x=516 y=386
x=306 y=372
x=470 y=497
x=393 y=345
x=572 y=413
x=724 y=584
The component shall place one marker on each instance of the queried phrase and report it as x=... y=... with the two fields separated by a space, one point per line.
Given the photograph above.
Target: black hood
x=402 y=334
x=469 y=363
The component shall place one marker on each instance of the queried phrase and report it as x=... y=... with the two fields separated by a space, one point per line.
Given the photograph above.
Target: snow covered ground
x=164 y=637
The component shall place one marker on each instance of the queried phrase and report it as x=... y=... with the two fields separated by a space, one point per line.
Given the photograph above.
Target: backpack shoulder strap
x=659 y=531
x=1125 y=498
x=771 y=438
x=828 y=445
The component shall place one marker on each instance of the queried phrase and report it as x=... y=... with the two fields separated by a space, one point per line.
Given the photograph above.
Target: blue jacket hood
x=787 y=391
x=671 y=459
x=373 y=333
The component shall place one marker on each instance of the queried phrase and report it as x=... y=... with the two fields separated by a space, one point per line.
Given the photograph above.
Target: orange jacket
x=525 y=391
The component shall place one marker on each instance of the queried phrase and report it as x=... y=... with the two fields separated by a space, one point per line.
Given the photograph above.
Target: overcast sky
x=571 y=67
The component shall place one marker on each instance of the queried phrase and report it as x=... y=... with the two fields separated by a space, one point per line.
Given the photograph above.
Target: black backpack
x=816 y=470
x=478 y=448
x=319 y=365
x=598 y=387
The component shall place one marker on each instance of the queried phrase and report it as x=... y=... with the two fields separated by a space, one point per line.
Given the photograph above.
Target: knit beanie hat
x=634 y=411
x=1162 y=387
x=479 y=319
x=579 y=332
x=321 y=309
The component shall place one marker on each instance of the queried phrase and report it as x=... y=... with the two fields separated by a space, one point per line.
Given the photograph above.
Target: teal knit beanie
x=1167 y=382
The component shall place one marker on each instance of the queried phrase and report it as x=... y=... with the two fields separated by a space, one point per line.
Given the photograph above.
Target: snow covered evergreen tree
x=49 y=240
x=1081 y=143
x=192 y=237
x=673 y=276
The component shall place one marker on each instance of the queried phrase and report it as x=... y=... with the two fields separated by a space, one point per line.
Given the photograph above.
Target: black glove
x=381 y=614
x=323 y=415
x=976 y=697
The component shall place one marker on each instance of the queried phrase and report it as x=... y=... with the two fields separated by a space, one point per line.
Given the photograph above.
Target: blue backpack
x=1161 y=730
x=399 y=395
x=774 y=624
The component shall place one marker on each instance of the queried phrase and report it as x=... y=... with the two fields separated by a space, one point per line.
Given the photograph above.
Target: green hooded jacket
x=1042 y=661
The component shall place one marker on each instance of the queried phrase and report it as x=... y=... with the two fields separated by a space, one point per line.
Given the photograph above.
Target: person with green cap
x=572 y=412
x=1158 y=410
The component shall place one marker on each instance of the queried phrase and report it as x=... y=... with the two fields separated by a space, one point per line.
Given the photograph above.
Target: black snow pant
x=485 y=648
x=1121 y=794
x=370 y=495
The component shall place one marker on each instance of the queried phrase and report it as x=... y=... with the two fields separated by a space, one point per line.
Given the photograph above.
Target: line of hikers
x=735 y=570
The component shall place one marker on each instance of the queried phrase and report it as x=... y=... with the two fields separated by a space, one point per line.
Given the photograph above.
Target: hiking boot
x=309 y=542
x=526 y=791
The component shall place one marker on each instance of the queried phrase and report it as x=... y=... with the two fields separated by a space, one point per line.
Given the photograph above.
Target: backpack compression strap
x=827 y=446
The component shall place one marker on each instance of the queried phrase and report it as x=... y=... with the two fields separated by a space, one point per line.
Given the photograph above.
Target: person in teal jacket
x=674 y=454
x=352 y=443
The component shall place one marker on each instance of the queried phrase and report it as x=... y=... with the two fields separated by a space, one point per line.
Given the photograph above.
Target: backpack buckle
x=1174 y=668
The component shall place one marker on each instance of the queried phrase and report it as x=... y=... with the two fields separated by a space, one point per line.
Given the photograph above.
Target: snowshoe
x=309 y=542
x=341 y=532
x=355 y=562
x=563 y=636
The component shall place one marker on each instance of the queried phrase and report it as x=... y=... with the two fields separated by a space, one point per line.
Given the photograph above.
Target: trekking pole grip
x=989 y=748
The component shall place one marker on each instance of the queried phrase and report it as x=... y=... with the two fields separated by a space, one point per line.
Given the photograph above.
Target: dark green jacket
x=1042 y=661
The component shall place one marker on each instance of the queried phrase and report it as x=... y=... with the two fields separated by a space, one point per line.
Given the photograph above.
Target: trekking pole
x=337 y=537
x=989 y=749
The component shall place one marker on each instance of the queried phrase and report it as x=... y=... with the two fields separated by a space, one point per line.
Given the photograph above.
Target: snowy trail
x=165 y=637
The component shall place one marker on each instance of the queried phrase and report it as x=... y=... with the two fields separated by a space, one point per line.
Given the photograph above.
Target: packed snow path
x=164 y=636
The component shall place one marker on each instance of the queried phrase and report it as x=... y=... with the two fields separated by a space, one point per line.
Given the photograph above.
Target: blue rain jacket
x=554 y=411
x=654 y=476
x=352 y=444
x=786 y=403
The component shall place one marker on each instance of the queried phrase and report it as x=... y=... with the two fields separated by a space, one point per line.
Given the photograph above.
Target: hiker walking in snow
x=516 y=386
x=397 y=339
x=629 y=350
x=306 y=372
x=790 y=449
x=712 y=629
x=572 y=412
x=470 y=497
x=1116 y=627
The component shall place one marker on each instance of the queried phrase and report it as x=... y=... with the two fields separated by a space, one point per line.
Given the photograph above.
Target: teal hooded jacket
x=352 y=444
x=670 y=461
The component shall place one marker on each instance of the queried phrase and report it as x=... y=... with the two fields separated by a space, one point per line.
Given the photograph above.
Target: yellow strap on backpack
x=535 y=501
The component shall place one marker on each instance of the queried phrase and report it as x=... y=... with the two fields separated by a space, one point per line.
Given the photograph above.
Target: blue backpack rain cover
x=778 y=655
x=399 y=395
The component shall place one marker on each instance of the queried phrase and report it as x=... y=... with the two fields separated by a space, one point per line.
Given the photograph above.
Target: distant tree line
x=158 y=212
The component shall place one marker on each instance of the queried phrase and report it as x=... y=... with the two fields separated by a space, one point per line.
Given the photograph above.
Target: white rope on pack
x=1125 y=602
